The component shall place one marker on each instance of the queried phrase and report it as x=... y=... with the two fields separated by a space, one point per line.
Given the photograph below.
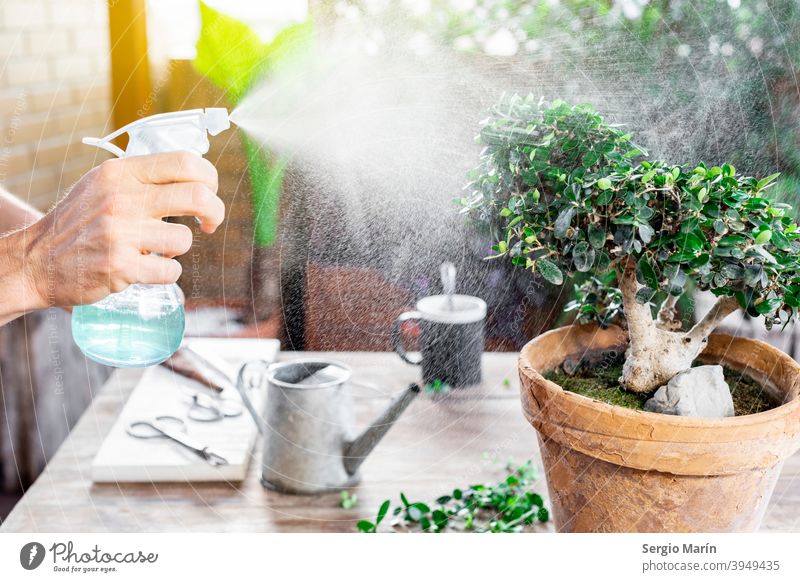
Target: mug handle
x=397 y=336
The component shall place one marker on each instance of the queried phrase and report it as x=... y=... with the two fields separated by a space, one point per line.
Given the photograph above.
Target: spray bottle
x=143 y=325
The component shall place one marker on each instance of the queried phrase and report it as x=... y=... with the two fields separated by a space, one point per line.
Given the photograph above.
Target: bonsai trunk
x=656 y=352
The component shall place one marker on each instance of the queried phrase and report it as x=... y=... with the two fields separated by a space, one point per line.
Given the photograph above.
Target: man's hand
x=108 y=231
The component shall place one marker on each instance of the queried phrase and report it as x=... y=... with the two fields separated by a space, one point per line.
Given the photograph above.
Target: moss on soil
x=601 y=382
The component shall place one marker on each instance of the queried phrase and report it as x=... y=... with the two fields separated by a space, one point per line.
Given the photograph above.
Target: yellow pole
x=130 y=68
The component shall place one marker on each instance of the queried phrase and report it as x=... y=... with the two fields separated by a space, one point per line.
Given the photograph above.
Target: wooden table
x=438 y=444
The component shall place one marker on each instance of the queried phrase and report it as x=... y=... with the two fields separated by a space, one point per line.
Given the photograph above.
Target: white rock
x=700 y=391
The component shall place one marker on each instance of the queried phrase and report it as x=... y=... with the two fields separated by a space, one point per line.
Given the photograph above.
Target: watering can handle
x=243 y=386
x=397 y=336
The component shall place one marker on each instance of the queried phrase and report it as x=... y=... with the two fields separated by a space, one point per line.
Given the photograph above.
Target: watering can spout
x=356 y=451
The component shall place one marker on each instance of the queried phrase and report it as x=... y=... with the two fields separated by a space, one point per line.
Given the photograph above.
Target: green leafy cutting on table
x=437 y=386
x=347 y=501
x=506 y=507
x=366 y=526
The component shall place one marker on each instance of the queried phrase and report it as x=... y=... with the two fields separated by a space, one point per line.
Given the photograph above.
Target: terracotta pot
x=611 y=469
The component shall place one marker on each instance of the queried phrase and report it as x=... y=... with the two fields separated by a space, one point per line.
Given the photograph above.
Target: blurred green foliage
x=232 y=56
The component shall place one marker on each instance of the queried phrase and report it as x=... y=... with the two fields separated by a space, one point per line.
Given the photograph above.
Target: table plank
x=438 y=444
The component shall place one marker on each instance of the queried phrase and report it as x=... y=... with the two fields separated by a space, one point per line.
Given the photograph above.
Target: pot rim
x=766 y=416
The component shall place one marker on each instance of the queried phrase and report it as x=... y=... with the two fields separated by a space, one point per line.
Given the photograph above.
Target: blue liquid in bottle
x=126 y=333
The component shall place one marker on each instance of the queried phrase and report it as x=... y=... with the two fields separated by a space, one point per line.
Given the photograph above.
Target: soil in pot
x=597 y=376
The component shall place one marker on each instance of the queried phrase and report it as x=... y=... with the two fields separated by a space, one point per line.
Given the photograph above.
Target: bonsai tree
x=565 y=192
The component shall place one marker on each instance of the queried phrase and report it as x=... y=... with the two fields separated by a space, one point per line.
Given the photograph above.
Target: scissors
x=172 y=427
x=205 y=408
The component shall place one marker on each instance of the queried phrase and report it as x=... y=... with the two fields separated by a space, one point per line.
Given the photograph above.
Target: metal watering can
x=309 y=422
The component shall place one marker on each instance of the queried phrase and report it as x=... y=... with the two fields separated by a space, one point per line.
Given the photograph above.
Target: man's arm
x=14 y=213
x=107 y=233
x=17 y=293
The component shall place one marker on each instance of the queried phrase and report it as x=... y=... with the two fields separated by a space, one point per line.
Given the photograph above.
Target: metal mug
x=451 y=338
x=310 y=441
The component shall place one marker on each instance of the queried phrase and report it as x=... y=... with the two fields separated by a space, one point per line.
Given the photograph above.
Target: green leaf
x=596 y=236
x=766 y=181
x=347 y=501
x=583 y=256
x=606 y=148
x=366 y=526
x=563 y=222
x=691 y=242
x=384 y=509
x=634 y=153
x=604 y=197
x=416 y=511
x=542 y=515
x=649 y=276
x=761 y=252
x=731 y=240
x=590 y=158
x=604 y=184
x=752 y=275
x=683 y=256
x=732 y=272
x=440 y=519
x=423 y=508
x=646 y=233
x=550 y=271
x=763 y=237
x=780 y=241
x=768 y=306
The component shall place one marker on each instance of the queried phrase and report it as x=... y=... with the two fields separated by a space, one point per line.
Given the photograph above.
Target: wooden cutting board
x=123 y=458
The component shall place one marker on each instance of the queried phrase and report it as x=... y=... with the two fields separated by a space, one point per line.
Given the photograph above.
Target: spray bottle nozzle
x=217 y=120
x=167 y=132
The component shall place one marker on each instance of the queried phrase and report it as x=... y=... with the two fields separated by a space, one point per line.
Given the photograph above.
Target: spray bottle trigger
x=104 y=144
